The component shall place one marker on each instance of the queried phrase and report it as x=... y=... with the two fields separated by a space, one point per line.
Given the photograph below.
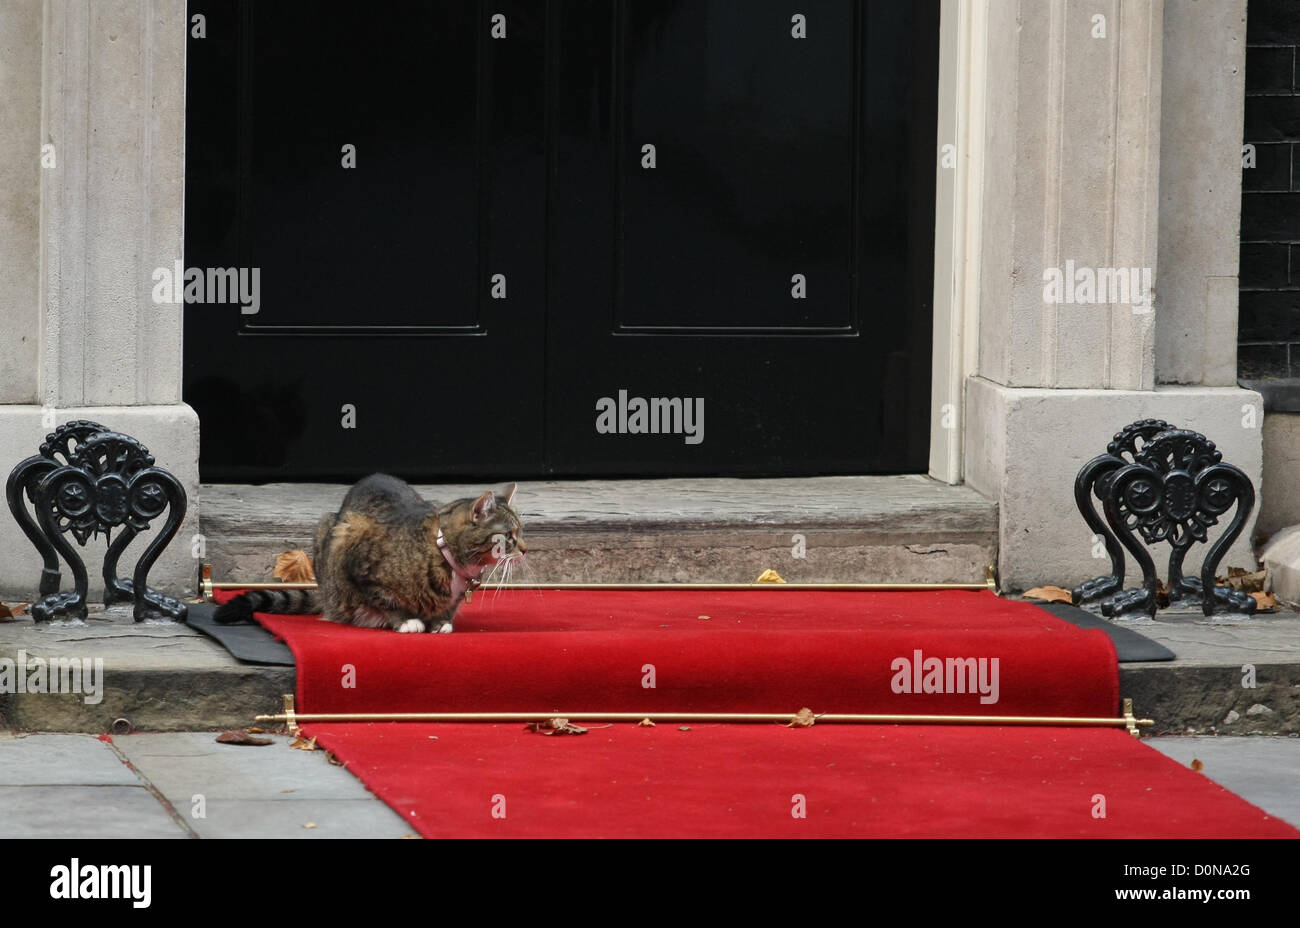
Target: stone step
x=170 y=677
x=895 y=529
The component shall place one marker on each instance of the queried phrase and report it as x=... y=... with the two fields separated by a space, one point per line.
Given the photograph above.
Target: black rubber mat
x=251 y=644
x=1130 y=646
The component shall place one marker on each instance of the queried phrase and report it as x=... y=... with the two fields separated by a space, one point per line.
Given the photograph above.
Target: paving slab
x=60 y=760
x=1264 y=771
x=305 y=819
x=273 y=791
x=181 y=764
x=84 y=812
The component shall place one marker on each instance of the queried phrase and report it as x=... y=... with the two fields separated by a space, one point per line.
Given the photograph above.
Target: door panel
x=375 y=280
x=774 y=157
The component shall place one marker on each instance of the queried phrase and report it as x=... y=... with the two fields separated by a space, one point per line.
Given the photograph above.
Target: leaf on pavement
x=242 y=737
x=1051 y=594
x=1265 y=602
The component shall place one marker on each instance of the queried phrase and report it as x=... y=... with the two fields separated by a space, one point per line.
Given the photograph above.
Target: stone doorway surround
x=1102 y=136
x=1111 y=150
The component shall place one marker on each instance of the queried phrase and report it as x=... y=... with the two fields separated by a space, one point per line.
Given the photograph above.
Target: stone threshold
x=889 y=529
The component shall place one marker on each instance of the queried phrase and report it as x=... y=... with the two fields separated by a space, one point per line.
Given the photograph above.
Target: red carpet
x=919 y=781
x=567 y=651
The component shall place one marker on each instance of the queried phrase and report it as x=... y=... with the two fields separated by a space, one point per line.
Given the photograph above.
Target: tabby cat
x=389 y=559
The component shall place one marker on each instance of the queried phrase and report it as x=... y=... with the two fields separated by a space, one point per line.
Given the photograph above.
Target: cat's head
x=484 y=531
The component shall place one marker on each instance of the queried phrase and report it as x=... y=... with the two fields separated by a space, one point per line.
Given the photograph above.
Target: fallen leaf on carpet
x=556 y=727
x=704 y=617
x=242 y=737
x=294 y=567
x=302 y=744
x=770 y=576
x=1196 y=764
x=310 y=825
x=685 y=728
x=645 y=723
x=1265 y=602
x=802 y=719
x=433 y=737
x=1051 y=594
x=333 y=760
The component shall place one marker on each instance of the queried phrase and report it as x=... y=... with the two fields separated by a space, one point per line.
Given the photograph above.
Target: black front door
x=567 y=238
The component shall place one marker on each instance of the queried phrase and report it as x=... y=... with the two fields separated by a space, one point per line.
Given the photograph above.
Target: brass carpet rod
x=293 y=719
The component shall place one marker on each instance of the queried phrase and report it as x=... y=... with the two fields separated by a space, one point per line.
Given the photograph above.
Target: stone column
x=1077 y=96
x=93 y=201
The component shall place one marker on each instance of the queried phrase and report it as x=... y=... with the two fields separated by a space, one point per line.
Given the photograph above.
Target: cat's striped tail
x=291 y=602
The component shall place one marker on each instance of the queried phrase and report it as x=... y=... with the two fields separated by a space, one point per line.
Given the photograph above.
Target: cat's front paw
x=411 y=625
x=444 y=628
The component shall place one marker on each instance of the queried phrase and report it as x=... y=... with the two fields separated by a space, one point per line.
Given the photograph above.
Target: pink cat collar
x=460 y=580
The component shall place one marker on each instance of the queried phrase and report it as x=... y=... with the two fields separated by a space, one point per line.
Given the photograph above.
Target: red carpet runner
x=555 y=651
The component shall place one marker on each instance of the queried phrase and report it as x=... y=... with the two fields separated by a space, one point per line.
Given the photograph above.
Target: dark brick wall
x=1269 y=325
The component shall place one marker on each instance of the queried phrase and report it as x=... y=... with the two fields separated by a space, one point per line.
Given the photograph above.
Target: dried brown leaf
x=242 y=737
x=1236 y=572
x=333 y=760
x=1051 y=594
x=556 y=726
x=1197 y=765
x=254 y=730
x=770 y=576
x=294 y=567
x=803 y=719
x=302 y=744
x=1248 y=583
x=705 y=617
x=646 y=723
x=1265 y=602
x=12 y=612
x=1162 y=594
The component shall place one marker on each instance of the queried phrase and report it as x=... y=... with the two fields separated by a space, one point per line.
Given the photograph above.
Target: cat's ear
x=484 y=506
x=508 y=493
